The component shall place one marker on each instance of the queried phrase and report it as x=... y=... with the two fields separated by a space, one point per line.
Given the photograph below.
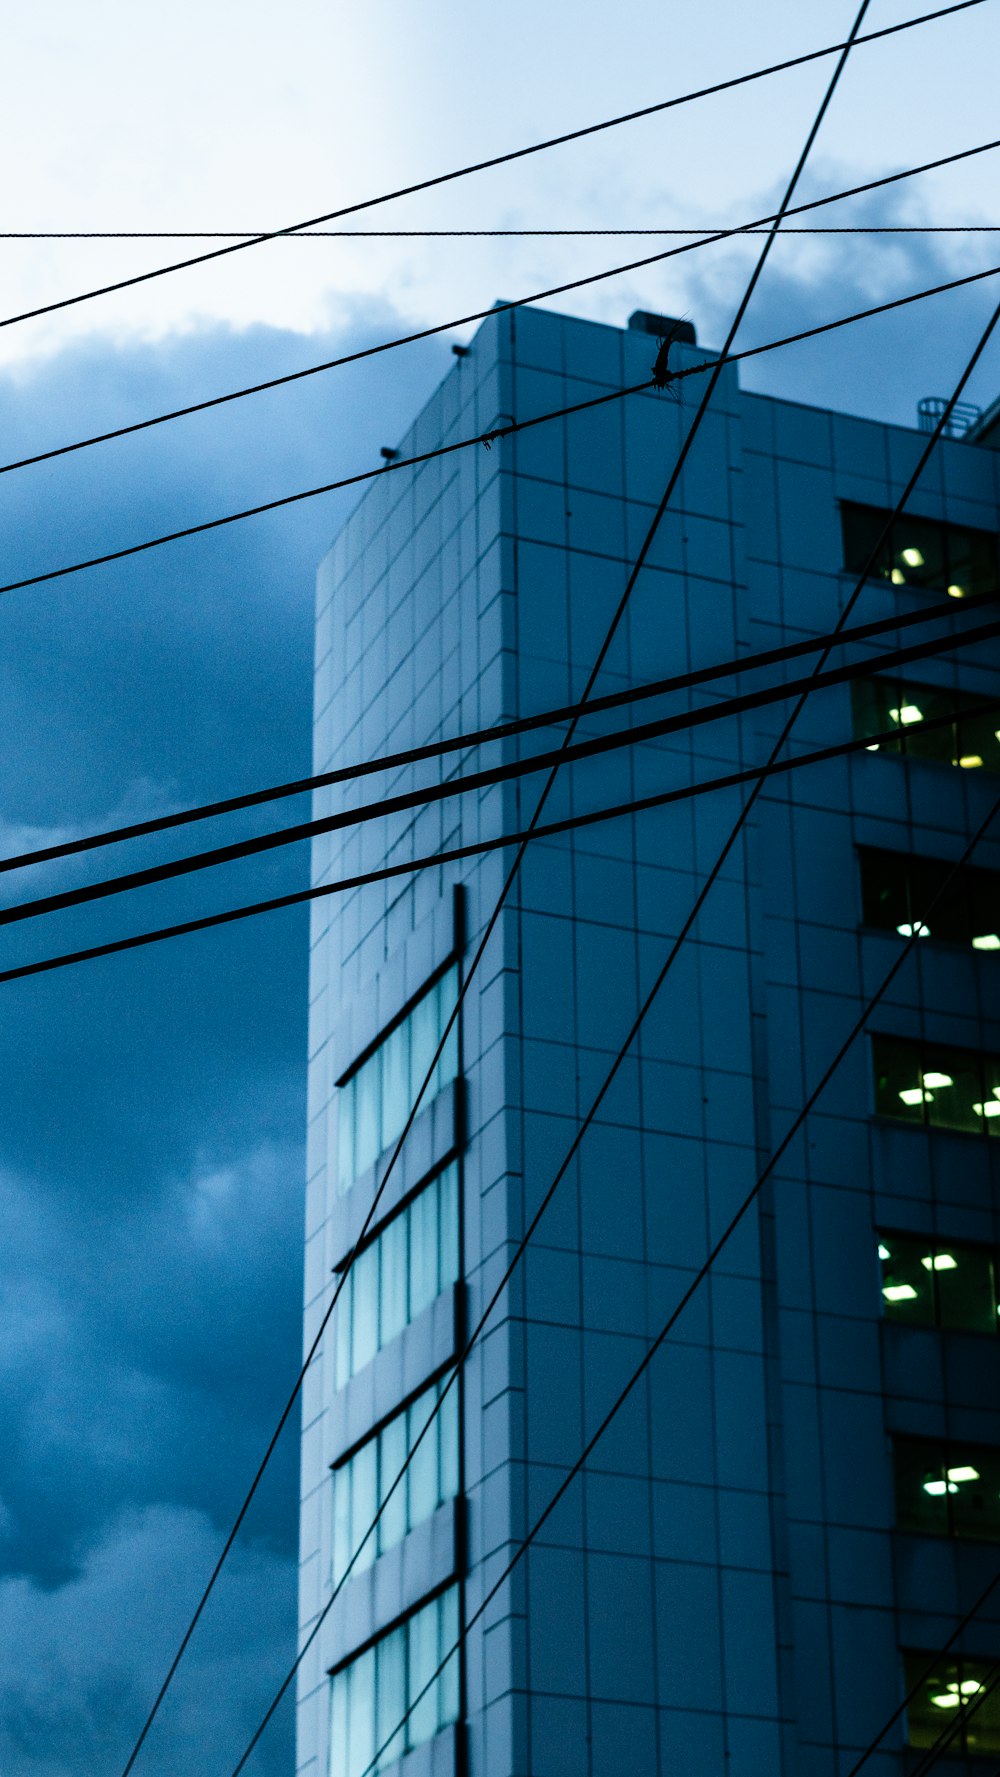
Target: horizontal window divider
x=379 y=1223
x=413 y=1394
x=389 y=1628
x=447 y=962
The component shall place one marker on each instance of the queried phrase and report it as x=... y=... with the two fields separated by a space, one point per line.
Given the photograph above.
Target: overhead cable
x=501 y=731
x=469 y=974
x=463 y=784
x=503 y=842
x=487 y=439
x=463 y=234
x=651 y=1349
x=481 y=166
x=405 y=339
x=675 y=1313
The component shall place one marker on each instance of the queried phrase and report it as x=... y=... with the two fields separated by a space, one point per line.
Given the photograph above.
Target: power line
x=487 y=736
x=656 y=1344
x=451 y=234
x=688 y=440
x=488 y=438
x=916 y=1689
x=675 y=1313
x=671 y=956
x=455 y=854
x=277 y=382
x=418 y=800
x=952 y=1729
x=481 y=166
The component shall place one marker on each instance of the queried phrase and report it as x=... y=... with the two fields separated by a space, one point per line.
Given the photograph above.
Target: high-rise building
x=802 y=1495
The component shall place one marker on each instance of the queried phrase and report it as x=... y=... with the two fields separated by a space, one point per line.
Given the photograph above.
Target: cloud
x=79 y=1666
x=151 y=1154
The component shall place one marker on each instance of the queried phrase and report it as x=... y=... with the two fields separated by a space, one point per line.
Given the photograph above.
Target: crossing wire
x=615 y=271
x=464 y=234
x=661 y=1337
x=911 y=1695
x=675 y=948
x=496 y=434
x=503 y=842
x=501 y=731
x=481 y=166
x=490 y=926
x=421 y=799
x=676 y=1311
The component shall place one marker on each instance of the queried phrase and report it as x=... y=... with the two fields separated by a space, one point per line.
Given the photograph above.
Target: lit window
x=896 y=889
x=361 y=1485
x=934 y=1283
x=369 y=1697
x=937 y=1085
x=919 y=552
x=954 y=1705
x=947 y=1489
x=903 y=712
x=374 y=1103
x=398 y=1275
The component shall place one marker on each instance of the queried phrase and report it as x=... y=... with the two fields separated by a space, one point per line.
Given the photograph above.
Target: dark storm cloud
x=154 y=1107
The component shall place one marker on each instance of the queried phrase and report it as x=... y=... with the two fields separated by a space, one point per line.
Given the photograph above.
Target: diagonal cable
x=758 y=226
x=482 y=166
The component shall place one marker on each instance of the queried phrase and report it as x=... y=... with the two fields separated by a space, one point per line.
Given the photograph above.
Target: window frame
x=937 y=1245
x=941 y=534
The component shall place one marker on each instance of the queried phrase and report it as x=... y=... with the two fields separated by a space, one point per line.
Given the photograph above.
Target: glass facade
x=920 y=552
x=897 y=891
x=947 y=1489
x=933 y=1283
x=969 y=739
x=360 y=1485
x=937 y=1085
x=958 y=1694
x=369 y=1698
x=399 y=1274
x=373 y=1105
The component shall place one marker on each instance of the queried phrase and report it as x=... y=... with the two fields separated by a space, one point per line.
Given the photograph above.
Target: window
x=897 y=890
x=928 y=1282
x=369 y=1698
x=920 y=552
x=898 y=707
x=947 y=1489
x=954 y=1696
x=395 y=1278
x=361 y=1484
x=937 y=1085
x=374 y=1103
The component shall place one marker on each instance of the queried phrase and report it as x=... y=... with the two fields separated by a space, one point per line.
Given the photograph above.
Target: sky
x=151 y=1143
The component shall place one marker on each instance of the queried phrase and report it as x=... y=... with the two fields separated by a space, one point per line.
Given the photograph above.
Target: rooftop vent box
x=660 y=325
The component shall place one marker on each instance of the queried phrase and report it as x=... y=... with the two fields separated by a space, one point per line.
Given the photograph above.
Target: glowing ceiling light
x=917 y=930
x=907 y=713
x=970 y=1687
x=938 y=1080
x=897 y=577
x=912 y=557
x=969 y=761
x=956 y=592
x=987 y=941
x=899 y=1292
x=948 y=1699
x=939 y=1262
x=883 y=1250
x=873 y=748
x=915 y=1095
x=989 y=1109
x=965 y=1472
x=937 y=1488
